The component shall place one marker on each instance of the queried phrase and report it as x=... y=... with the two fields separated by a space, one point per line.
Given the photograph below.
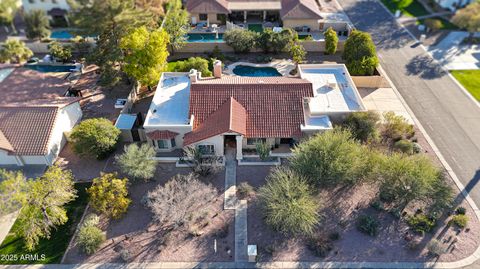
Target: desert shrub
x=417 y=148
x=330 y=158
x=360 y=54
x=137 y=161
x=200 y=163
x=435 y=247
x=421 y=223
x=14 y=51
x=240 y=40
x=60 y=52
x=263 y=150
x=245 y=190
x=197 y=63
x=404 y=146
x=433 y=24
x=95 y=137
x=181 y=197
x=459 y=220
x=288 y=204
x=363 y=125
x=412 y=178
x=368 y=225
x=460 y=210
x=334 y=236
x=331 y=41
x=320 y=245
x=396 y=127
x=108 y=195
x=298 y=53
x=90 y=237
x=377 y=205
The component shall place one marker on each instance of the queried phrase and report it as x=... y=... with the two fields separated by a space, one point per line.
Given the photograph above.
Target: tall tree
x=145 y=54
x=13 y=188
x=176 y=25
x=331 y=41
x=8 y=10
x=110 y=20
x=468 y=18
x=36 y=24
x=360 y=54
x=14 y=51
x=44 y=206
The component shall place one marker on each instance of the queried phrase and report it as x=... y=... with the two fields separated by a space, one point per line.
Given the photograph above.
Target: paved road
x=448 y=115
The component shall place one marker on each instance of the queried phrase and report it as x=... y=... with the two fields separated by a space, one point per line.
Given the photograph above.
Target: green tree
x=145 y=54
x=331 y=41
x=14 y=51
x=176 y=24
x=137 y=161
x=332 y=157
x=13 y=190
x=468 y=18
x=108 y=195
x=270 y=41
x=110 y=20
x=363 y=125
x=8 y=10
x=240 y=40
x=95 y=137
x=90 y=237
x=288 y=204
x=298 y=53
x=402 y=4
x=198 y=63
x=44 y=206
x=61 y=52
x=411 y=178
x=360 y=54
x=36 y=24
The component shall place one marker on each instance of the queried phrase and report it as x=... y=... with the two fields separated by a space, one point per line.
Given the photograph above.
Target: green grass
x=470 y=79
x=415 y=9
x=255 y=27
x=52 y=248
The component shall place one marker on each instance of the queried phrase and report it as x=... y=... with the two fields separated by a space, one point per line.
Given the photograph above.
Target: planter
x=374 y=81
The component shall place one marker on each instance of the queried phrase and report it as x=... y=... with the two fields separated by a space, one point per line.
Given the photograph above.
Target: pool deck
x=284 y=67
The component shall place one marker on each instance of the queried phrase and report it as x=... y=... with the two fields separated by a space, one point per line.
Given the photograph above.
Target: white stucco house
x=453 y=5
x=234 y=111
x=35 y=116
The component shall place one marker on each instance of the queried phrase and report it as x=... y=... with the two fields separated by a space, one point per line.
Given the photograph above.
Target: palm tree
x=8 y=9
x=37 y=24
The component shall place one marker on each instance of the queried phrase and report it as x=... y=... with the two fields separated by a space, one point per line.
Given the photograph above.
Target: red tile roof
x=300 y=9
x=208 y=6
x=27 y=129
x=5 y=144
x=230 y=117
x=273 y=105
x=157 y=135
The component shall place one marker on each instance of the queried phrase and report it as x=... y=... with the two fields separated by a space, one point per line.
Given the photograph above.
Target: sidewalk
x=6 y=223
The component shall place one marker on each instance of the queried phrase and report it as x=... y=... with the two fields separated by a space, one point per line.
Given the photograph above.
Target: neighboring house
x=35 y=114
x=56 y=9
x=211 y=113
x=301 y=15
x=453 y=4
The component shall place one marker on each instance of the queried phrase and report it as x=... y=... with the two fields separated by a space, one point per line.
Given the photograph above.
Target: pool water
x=64 y=34
x=252 y=71
x=51 y=68
x=204 y=37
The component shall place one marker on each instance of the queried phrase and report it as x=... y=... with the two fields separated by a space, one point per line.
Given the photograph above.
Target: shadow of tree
x=424 y=67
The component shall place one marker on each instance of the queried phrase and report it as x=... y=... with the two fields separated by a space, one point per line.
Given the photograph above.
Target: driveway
x=455 y=56
x=450 y=117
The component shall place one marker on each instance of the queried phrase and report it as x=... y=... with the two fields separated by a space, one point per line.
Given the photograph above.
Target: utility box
x=252 y=253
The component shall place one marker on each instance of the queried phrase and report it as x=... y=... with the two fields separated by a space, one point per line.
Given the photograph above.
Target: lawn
x=470 y=79
x=415 y=9
x=52 y=248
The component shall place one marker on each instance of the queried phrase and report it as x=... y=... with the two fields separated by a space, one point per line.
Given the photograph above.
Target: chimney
x=193 y=75
x=217 y=69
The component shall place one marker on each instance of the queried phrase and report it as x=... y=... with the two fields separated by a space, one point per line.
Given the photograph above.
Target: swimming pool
x=210 y=37
x=65 y=34
x=51 y=68
x=252 y=71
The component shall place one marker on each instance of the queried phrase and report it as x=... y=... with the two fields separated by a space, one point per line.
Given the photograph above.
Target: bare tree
x=179 y=200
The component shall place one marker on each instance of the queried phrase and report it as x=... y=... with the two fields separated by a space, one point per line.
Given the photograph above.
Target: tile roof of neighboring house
x=27 y=129
x=157 y=135
x=230 y=117
x=208 y=6
x=24 y=85
x=5 y=144
x=273 y=105
x=300 y=9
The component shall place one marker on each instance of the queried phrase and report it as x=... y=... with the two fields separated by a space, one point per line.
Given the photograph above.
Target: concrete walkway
x=241 y=234
x=456 y=56
x=6 y=223
x=230 y=201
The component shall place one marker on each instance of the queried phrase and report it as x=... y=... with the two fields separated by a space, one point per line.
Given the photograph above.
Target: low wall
x=376 y=81
x=200 y=47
